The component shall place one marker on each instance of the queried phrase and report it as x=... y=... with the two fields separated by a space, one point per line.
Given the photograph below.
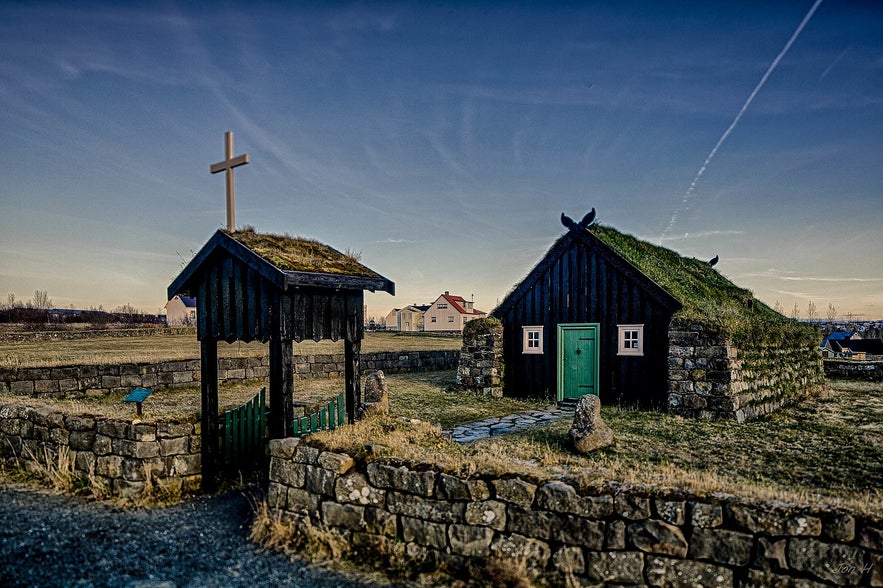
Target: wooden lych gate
x=274 y=289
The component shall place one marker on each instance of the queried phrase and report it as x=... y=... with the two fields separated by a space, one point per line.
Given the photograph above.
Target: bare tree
x=832 y=313
x=795 y=312
x=811 y=311
x=10 y=300
x=778 y=308
x=41 y=299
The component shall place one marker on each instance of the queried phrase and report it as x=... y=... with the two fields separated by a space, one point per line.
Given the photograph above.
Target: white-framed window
x=432 y=319
x=450 y=318
x=532 y=340
x=631 y=339
x=442 y=305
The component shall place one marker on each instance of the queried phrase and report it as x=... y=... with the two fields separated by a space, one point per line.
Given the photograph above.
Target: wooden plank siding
x=235 y=303
x=582 y=281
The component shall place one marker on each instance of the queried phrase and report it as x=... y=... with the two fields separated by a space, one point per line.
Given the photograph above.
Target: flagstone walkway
x=507 y=424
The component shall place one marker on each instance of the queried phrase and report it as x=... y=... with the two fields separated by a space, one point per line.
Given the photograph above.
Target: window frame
x=526 y=340
x=636 y=347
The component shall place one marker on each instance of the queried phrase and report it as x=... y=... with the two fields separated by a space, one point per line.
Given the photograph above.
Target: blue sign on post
x=138 y=396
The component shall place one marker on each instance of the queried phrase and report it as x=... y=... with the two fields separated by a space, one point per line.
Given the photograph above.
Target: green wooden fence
x=328 y=417
x=244 y=431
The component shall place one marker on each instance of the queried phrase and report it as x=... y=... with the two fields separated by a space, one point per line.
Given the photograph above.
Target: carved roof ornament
x=584 y=224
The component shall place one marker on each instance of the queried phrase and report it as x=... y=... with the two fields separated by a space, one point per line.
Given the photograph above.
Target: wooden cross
x=227 y=165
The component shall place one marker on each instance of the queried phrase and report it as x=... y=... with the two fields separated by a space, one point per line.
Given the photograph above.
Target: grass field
x=419 y=395
x=825 y=450
x=156 y=348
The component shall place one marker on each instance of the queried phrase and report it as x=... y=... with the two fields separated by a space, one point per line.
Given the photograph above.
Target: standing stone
x=375 y=394
x=589 y=432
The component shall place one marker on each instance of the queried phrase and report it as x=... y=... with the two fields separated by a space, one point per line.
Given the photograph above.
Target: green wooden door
x=577 y=360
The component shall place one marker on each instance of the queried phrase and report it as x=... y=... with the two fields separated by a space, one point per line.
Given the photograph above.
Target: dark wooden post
x=211 y=446
x=352 y=357
x=281 y=388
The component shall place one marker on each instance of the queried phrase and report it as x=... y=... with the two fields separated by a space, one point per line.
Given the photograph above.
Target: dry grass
x=156 y=348
x=420 y=395
x=171 y=404
x=295 y=537
x=824 y=451
x=302 y=254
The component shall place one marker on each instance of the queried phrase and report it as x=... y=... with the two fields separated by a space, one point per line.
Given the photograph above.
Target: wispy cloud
x=702 y=235
x=391 y=240
x=830 y=279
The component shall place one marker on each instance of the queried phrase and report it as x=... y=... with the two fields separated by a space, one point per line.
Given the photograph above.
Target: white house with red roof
x=450 y=313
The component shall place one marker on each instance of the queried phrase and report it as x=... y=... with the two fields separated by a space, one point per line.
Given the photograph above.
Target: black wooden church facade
x=277 y=290
x=585 y=320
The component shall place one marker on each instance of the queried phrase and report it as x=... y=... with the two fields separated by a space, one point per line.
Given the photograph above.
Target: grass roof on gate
x=300 y=254
x=707 y=295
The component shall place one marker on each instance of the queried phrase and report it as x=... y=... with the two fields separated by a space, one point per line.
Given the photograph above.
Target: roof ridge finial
x=583 y=224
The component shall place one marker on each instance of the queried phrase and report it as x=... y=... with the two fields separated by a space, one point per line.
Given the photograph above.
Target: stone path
x=507 y=424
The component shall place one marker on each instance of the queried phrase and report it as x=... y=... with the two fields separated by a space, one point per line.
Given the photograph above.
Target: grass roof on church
x=707 y=295
x=300 y=254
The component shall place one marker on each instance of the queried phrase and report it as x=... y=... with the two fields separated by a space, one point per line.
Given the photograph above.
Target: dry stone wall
x=118 y=454
x=621 y=536
x=709 y=377
x=104 y=379
x=871 y=371
x=480 y=368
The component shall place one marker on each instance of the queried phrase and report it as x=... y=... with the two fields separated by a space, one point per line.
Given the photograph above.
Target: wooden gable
x=240 y=292
x=275 y=289
x=581 y=280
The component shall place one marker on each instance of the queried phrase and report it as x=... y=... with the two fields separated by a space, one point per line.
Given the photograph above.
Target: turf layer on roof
x=706 y=295
x=300 y=254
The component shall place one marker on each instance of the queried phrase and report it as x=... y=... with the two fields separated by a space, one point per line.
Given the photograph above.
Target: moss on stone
x=482 y=326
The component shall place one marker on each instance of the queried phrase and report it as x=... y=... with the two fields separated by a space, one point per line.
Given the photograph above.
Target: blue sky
x=443 y=140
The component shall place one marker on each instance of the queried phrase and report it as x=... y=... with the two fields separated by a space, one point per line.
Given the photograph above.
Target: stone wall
x=854 y=370
x=481 y=357
x=114 y=453
x=621 y=536
x=88 y=380
x=111 y=332
x=709 y=377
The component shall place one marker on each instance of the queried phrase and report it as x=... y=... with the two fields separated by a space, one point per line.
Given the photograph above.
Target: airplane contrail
x=772 y=67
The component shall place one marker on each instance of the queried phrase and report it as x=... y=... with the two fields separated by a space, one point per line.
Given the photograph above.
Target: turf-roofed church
x=276 y=289
x=640 y=325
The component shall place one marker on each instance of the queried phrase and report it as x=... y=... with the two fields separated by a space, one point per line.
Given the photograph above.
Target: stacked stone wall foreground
x=617 y=537
x=64 y=381
x=709 y=377
x=115 y=453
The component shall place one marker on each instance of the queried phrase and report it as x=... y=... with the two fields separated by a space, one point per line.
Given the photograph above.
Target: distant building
x=450 y=313
x=850 y=345
x=181 y=310
x=410 y=318
x=391 y=320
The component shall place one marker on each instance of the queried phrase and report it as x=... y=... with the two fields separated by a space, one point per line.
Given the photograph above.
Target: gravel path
x=50 y=540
